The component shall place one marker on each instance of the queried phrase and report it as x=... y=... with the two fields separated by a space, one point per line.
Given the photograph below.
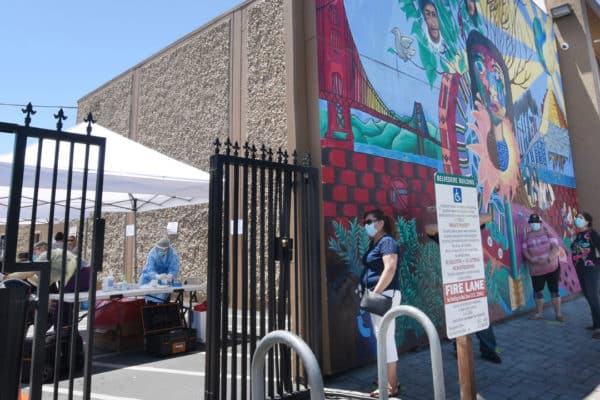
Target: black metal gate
x=43 y=193
x=263 y=267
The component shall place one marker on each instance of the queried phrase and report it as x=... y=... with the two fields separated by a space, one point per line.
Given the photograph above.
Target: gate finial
x=217 y=144
x=295 y=157
x=285 y=156
x=279 y=155
x=263 y=152
x=236 y=148
x=90 y=120
x=246 y=149
x=306 y=161
x=253 y=150
x=29 y=111
x=60 y=117
x=270 y=153
x=227 y=146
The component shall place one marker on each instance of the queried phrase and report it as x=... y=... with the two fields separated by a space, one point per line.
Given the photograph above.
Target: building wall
x=579 y=69
x=109 y=104
x=474 y=89
x=263 y=73
x=226 y=79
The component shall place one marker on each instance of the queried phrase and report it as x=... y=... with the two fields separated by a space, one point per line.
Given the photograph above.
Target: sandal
x=375 y=393
x=560 y=318
x=535 y=316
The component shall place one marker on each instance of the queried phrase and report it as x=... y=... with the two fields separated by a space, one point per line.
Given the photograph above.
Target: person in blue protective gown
x=162 y=264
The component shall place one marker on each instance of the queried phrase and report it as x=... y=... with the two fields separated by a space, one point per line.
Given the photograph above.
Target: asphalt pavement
x=541 y=359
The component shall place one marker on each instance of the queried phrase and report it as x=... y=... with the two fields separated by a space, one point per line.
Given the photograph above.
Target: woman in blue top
x=381 y=276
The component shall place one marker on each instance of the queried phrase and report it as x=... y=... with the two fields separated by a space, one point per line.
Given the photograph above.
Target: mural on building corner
x=408 y=88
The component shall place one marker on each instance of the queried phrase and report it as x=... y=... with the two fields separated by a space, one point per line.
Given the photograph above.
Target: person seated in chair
x=161 y=262
x=40 y=253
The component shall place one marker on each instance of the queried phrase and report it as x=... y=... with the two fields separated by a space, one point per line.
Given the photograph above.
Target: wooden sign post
x=466 y=369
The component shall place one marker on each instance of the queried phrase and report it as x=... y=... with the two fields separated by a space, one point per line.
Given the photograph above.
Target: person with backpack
x=585 y=253
x=541 y=251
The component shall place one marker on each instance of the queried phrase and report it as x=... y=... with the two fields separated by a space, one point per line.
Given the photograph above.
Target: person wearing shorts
x=540 y=250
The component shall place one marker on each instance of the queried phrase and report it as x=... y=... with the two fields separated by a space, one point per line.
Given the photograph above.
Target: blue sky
x=55 y=52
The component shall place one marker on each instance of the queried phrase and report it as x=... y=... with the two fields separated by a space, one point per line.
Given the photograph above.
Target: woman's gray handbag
x=375 y=303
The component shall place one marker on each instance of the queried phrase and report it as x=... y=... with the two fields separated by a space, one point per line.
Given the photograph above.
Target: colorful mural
x=408 y=88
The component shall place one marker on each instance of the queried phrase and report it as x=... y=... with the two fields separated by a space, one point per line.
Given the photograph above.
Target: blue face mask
x=162 y=253
x=579 y=222
x=535 y=226
x=371 y=230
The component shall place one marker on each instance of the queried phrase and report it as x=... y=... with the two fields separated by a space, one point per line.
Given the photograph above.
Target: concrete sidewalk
x=542 y=359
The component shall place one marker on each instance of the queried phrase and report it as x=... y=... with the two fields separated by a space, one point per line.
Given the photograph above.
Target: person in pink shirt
x=541 y=250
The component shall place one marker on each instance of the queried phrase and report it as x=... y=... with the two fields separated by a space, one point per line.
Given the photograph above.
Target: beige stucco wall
x=110 y=104
x=266 y=108
x=579 y=71
x=226 y=78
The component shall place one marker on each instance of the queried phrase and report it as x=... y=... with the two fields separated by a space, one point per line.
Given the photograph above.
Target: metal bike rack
x=437 y=366
x=315 y=380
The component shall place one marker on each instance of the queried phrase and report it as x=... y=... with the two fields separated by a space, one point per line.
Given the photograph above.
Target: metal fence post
x=437 y=366
x=257 y=382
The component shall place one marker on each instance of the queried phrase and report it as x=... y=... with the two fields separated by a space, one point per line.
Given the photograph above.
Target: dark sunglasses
x=370 y=221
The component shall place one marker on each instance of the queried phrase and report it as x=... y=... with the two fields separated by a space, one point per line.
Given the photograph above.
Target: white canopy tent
x=132 y=171
x=136 y=178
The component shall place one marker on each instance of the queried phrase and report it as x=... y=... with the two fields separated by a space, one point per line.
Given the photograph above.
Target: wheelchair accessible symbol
x=457 y=194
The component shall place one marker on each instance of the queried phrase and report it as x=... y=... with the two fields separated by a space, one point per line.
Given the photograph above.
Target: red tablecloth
x=114 y=312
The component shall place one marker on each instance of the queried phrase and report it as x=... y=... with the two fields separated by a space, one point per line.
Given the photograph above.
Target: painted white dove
x=402 y=43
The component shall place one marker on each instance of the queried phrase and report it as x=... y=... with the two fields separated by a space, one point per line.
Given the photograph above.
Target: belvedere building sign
x=463 y=272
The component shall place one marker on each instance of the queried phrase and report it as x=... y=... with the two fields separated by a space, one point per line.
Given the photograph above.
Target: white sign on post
x=129 y=230
x=463 y=271
x=172 y=228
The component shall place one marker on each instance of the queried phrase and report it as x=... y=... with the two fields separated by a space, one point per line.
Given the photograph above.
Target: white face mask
x=371 y=230
x=535 y=226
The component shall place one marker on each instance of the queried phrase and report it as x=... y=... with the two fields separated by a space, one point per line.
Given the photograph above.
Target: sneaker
x=596 y=334
x=492 y=357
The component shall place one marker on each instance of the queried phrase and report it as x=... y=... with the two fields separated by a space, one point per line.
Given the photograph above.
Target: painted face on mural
x=471 y=7
x=490 y=82
x=431 y=20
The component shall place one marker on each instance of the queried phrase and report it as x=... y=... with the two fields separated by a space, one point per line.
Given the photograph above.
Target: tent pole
x=125 y=252
x=135 y=273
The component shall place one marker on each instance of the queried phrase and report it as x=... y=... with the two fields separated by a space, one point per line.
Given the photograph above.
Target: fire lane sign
x=461 y=253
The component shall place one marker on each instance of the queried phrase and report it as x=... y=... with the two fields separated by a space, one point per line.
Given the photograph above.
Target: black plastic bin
x=165 y=332
x=14 y=303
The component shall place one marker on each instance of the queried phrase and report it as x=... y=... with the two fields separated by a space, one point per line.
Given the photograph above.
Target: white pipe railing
x=437 y=366
x=257 y=381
